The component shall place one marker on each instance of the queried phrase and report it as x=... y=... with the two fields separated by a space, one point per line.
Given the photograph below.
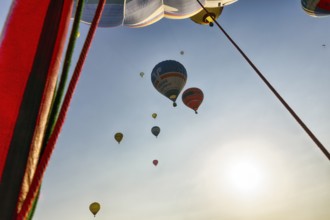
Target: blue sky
x=242 y=132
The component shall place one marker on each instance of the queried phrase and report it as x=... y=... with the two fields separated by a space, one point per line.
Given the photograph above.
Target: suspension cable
x=278 y=96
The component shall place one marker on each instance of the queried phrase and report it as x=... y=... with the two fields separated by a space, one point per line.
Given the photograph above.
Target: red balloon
x=155 y=162
x=193 y=97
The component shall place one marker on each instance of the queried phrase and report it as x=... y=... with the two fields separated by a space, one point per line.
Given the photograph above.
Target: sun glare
x=245 y=177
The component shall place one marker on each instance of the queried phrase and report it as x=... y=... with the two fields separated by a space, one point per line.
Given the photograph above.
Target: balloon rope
x=301 y=123
x=65 y=72
x=58 y=94
x=34 y=205
x=60 y=121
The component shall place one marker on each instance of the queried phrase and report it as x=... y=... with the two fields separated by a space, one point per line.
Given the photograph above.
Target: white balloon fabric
x=140 y=13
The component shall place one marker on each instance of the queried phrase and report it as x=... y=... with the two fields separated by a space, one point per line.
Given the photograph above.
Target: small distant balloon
x=141 y=74
x=155 y=162
x=94 y=208
x=155 y=130
x=181 y=52
x=78 y=34
x=118 y=137
x=154 y=115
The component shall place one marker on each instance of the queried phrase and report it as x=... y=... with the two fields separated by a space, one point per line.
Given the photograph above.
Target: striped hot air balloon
x=316 y=8
x=193 y=98
x=169 y=77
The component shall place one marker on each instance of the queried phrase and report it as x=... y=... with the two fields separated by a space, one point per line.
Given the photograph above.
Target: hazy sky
x=243 y=157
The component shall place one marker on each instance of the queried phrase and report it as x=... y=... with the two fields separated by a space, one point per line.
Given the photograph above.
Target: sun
x=245 y=176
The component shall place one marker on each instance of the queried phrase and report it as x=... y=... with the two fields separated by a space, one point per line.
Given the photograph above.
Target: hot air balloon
x=181 y=52
x=135 y=14
x=155 y=162
x=118 y=137
x=94 y=208
x=154 y=115
x=169 y=77
x=155 y=130
x=316 y=8
x=192 y=98
x=141 y=74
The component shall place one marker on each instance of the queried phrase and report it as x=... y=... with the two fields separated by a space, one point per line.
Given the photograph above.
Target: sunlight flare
x=245 y=176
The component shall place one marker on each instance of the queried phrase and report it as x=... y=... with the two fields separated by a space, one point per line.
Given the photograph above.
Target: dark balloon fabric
x=155 y=130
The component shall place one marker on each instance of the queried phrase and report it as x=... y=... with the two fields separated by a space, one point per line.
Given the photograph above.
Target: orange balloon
x=193 y=98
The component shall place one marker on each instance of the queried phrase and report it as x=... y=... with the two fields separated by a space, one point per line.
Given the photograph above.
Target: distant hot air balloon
x=155 y=130
x=192 y=98
x=94 y=208
x=154 y=115
x=155 y=162
x=118 y=137
x=169 y=77
x=181 y=52
x=141 y=74
x=316 y=8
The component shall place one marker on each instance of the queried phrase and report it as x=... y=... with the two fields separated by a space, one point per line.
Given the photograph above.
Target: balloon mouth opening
x=208 y=19
x=174 y=104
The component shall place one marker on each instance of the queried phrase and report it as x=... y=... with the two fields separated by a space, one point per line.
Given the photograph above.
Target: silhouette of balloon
x=118 y=137
x=155 y=130
x=94 y=208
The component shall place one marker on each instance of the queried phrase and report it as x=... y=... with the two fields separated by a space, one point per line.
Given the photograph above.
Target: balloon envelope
x=140 y=13
x=142 y=74
x=169 y=77
x=155 y=130
x=118 y=137
x=193 y=97
x=94 y=208
x=316 y=8
x=154 y=115
x=155 y=162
